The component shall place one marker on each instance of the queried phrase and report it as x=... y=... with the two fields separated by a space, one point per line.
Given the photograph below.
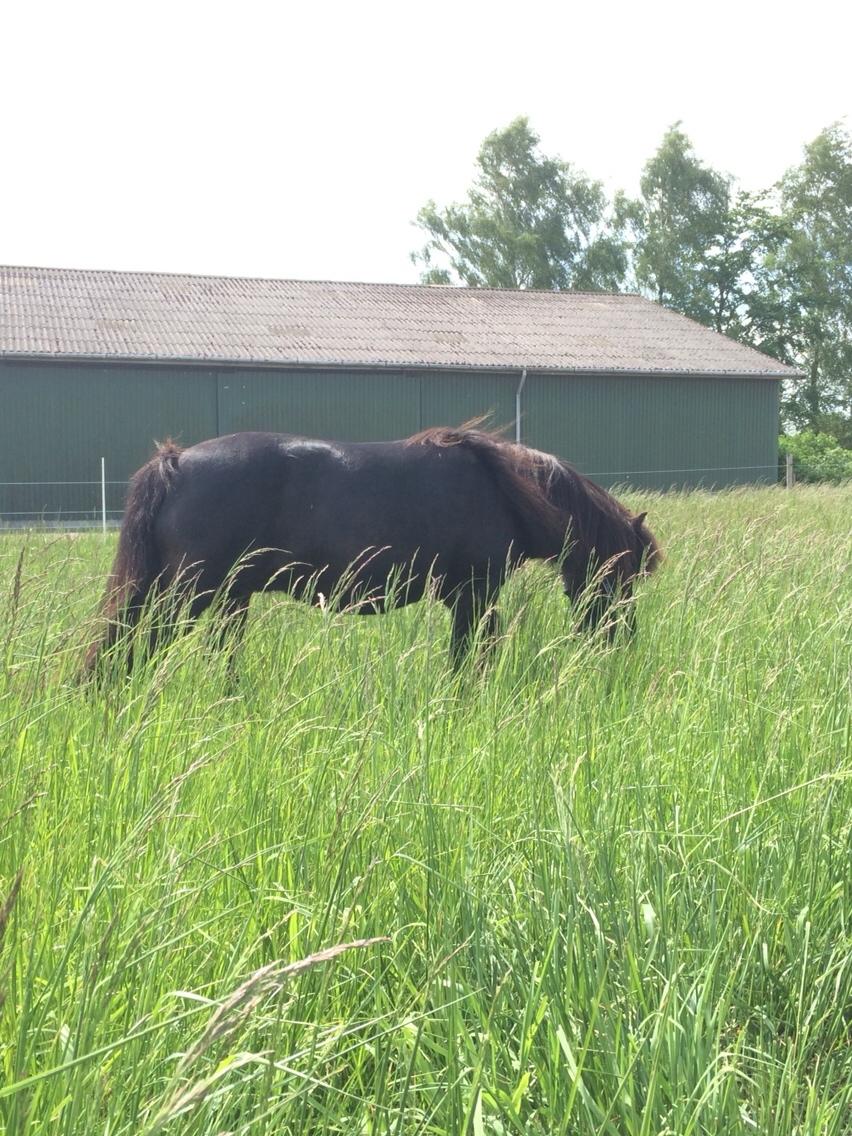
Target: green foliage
x=817 y=457
x=806 y=281
x=615 y=883
x=684 y=213
x=529 y=221
x=773 y=270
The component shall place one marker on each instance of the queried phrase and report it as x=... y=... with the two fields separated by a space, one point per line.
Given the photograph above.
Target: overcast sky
x=299 y=140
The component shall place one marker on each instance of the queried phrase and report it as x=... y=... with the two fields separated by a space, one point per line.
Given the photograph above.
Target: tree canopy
x=803 y=304
x=529 y=221
x=772 y=269
x=682 y=214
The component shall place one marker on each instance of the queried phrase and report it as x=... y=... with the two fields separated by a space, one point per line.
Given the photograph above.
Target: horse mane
x=548 y=494
x=602 y=526
x=516 y=471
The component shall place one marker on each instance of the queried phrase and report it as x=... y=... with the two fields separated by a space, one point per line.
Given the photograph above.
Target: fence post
x=790 y=480
x=103 y=496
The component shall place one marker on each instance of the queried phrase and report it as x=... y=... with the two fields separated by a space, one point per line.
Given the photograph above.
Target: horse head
x=625 y=551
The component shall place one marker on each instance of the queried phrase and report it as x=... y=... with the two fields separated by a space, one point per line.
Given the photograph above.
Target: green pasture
x=590 y=891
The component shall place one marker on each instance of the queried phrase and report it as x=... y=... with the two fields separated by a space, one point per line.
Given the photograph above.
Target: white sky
x=299 y=140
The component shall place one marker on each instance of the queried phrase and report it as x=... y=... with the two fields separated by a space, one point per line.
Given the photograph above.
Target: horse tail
x=137 y=562
x=521 y=476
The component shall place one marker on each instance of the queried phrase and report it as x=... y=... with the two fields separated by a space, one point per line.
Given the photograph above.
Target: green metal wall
x=360 y=406
x=450 y=399
x=57 y=420
x=654 y=432
x=353 y=406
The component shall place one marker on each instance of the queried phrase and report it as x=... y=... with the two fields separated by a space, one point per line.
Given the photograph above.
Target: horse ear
x=639 y=520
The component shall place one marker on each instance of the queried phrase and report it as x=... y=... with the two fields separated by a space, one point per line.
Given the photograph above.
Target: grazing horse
x=365 y=526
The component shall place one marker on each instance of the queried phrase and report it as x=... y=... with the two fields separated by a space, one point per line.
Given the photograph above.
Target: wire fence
x=697 y=469
x=99 y=502
x=63 y=504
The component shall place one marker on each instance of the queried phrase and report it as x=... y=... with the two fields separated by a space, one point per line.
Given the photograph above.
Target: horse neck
x=598 y=524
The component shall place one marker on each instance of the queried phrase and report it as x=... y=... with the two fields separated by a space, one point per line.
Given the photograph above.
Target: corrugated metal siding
x=360 y=406
x=342 y=406
x=57 y=421
x=451 y=399
x=657 y=433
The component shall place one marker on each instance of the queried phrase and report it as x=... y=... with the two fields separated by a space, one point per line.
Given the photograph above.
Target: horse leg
x=113 y=643
x=177 y=609
x=491 y=626
x=229 y=630
x=609 y=611
x=173 y=609
x=134 y=630
x=472 y=606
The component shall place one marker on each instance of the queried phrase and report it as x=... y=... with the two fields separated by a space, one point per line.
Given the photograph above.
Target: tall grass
x=587 y=891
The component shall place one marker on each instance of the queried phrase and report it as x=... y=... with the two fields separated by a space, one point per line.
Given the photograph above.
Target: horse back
x=328 y=505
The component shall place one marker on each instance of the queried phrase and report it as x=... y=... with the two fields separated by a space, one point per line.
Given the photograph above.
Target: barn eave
x=386 y=365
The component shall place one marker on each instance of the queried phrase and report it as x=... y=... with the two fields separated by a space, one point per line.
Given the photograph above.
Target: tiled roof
x=65 y=313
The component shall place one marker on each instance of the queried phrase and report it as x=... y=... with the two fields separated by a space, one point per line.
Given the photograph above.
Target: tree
x=688 y=247
x=802 y=307
x=726 y=275
x=773 y=270
x=529 y=221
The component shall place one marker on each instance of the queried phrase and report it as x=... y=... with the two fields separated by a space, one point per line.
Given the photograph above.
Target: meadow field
x=592 y=891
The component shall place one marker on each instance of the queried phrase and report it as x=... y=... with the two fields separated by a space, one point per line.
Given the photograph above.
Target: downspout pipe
x=518 y=406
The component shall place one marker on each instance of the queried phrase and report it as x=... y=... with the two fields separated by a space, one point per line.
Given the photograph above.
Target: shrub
x=816 y=457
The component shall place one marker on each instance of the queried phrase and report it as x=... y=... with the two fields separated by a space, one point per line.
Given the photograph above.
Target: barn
x=99 y=364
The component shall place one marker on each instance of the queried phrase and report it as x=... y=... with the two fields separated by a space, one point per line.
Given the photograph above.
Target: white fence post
x=790 y=479
x=103 y=495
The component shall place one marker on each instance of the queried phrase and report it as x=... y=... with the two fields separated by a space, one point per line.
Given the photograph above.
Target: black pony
x=365 y=526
